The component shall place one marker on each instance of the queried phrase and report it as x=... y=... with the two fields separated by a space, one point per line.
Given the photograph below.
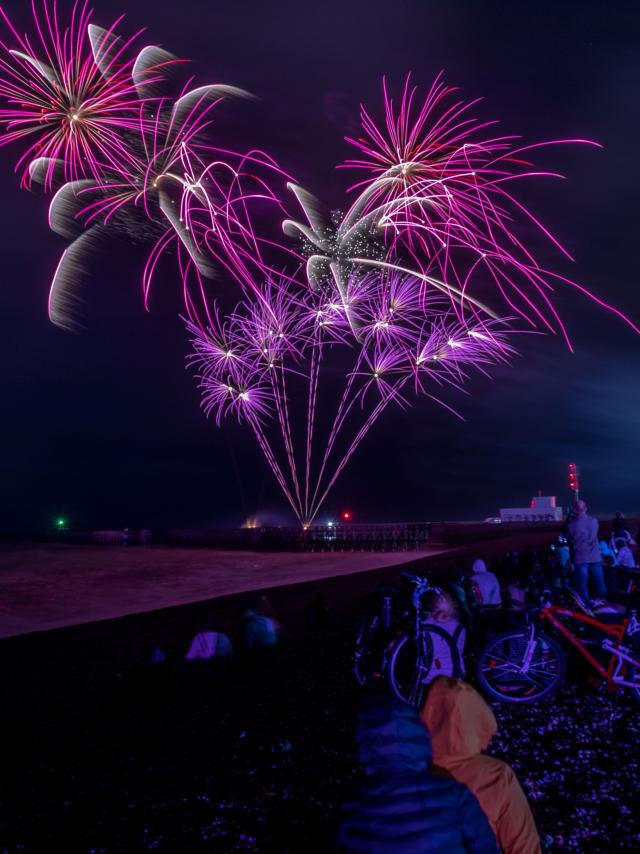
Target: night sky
x=104 y=427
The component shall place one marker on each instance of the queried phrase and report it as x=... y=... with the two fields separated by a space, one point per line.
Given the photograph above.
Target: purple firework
x=252 y=365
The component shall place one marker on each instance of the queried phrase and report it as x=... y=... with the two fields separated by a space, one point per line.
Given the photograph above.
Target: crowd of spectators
x=257 y=634
x=601 y=566
x=428 y=784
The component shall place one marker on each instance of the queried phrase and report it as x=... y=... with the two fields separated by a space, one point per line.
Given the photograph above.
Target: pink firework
x=69 y=94
x=191 y=199
x=439 y=189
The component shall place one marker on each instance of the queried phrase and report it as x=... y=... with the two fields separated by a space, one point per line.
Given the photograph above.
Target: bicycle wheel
x=368 y=660
x=412 y=669
x=501 y=673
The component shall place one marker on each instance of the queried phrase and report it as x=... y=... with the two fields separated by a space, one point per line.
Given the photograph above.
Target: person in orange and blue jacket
x=461 y=726
x=402 y=806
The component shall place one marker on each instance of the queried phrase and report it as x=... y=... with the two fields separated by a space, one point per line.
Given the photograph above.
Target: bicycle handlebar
x=414 y=579
x=422 y=585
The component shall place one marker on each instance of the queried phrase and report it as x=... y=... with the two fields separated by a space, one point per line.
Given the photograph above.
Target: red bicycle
x=525 y=665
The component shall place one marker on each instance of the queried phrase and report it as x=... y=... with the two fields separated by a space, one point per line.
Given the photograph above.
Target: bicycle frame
x=380 y=635
x=612 y=673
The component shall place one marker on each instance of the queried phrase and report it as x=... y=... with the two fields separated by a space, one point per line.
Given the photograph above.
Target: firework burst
x=69 y=95
x=439 y=192
x=403 y=295
x=252 y=368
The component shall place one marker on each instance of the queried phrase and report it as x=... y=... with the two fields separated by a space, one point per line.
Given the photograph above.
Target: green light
x=61 y=523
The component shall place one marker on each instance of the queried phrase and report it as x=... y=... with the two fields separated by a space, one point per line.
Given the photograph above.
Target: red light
x=346 y=515
x=574 y=483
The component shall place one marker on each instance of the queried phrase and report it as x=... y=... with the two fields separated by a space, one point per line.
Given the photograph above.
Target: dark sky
x=105 y=428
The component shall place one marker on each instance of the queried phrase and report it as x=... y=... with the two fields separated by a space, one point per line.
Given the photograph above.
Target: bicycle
x=527 y=665
x=374 y=640
x=402 y=651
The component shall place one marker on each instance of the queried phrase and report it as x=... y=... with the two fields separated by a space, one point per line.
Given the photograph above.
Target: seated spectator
x=462 y=588
x=259 y=629
x=458 y=584
x=444 y=615
x=402 y=807
x=516 y=601
x=619 y=528
x=624 y=539
x=608 y=554
x=517 y=595
x=616 y=576
x=486 y=584
x=461 y=725
x=209 y=643
x=625 y=558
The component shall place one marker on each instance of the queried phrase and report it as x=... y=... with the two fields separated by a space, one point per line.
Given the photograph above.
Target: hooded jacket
x=487 y=583
x=209 y=645
x=461 y=726
x=402 y=806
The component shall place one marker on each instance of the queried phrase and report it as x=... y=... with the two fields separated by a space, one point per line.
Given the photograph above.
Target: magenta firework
x=399 y=296
x=69 y=94
x=441 y=186
x=112 y=131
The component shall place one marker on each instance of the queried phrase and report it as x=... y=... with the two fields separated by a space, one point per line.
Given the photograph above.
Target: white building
x=542 y=509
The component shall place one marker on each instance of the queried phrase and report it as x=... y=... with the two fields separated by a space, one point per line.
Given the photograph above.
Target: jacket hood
x=391 y=738
x=461 y=724
x=478 y=566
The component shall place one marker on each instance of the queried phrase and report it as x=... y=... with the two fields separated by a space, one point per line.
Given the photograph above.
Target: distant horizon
x=52 y=532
